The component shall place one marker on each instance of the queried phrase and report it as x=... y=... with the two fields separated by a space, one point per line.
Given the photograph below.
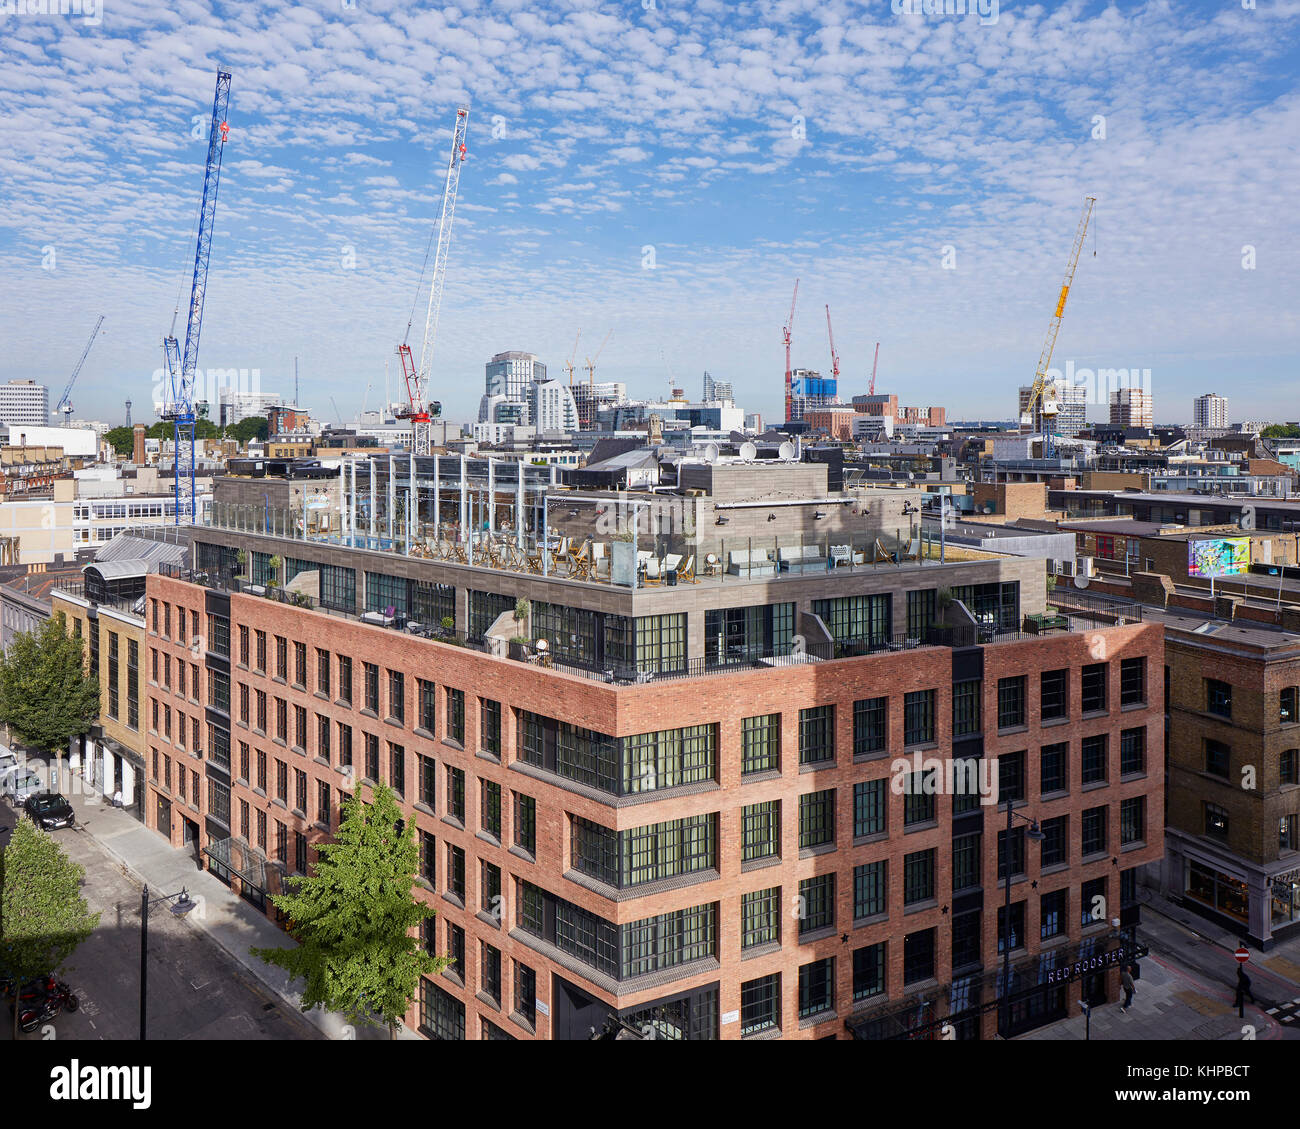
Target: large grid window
x=760 y=917
x=1094 y=831
x=219 y=801
x=1055 y=846
x=397 y=769
x=456 y=715
x=996 y=604
x=761 y=830
x=816 y=734
x=760 y=1004
x=1013 y=929
x=219 y=691
x=1053 y=911
x=667 y=940
x=1017 y=853
x=1011 y=777
x=1218 y=758
x=870 y=726
x=761 y=743
x=660 y=641
x=817 y=818
x=385 y=592
x=526 y=823
x=489 y=726
x=113 y=675
x=456 y=871
x=966 y=707
x=966 y=785
x=918 y=876
x=456 y=793
x=371 y=687
x=338 y=587
x=816 y=987
x=918 y=717
x=870 y=889
x=966 y=862
x=816 y=903
x=665 y=850
x=1132 y=820
x=300 y=664
x=132 y=683
x=1092 y=901
x=668 y=758
x=432 y=603
x=1011 y=702
x=428 y=705
x=869 y=807
x=1054 y=694
x=397 y=696
x=921 y=606
x=734 y=635
x=441 y=1014
x=578 y=754
x=920 y=803
x=490 y=807
x=1132 y=681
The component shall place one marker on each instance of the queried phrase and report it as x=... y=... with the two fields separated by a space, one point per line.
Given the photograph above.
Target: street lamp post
x=1035 y=835
x=184 y=903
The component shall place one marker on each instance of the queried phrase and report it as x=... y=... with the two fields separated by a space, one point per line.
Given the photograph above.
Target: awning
x=246 y=863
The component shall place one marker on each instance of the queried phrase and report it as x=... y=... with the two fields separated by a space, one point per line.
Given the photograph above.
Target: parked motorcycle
x=37 y=1009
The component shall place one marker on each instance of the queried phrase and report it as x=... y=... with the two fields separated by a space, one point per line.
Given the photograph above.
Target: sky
x=659 y=173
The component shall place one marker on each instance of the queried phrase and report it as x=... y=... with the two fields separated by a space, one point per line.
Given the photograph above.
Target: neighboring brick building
x=1233 y=726
x=607 y=848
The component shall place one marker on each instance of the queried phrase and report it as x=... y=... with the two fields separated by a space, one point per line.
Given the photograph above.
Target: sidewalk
x=1169 y=1004
x=227 y=919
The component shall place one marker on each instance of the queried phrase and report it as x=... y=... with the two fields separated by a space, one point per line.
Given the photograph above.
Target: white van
x=8 y=762
x=17 y=786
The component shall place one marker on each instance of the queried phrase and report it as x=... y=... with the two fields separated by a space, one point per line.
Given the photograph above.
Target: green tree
x=254 y=427
x=46 y=695
x=1281 y=431
x=43 y=917
x=357 y=919
x=122 y=439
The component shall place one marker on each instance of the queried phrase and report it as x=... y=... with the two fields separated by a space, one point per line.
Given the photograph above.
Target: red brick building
x=715 y=848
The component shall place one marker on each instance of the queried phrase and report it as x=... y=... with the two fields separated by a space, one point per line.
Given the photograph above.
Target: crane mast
x=871 y=391
x=1038 y=393
x=835 y=357
x=65 y=401
x=178 y=403
x=789 y=375
x=419 y=410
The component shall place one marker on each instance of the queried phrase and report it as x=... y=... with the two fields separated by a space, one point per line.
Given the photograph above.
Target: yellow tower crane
x=1041 y=393
x=591 y=361
x=568 y=365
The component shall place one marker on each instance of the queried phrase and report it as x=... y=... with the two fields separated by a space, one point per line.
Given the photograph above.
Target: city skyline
x=664 y=176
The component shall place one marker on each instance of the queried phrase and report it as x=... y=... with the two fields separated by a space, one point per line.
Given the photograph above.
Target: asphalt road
x=195 y=990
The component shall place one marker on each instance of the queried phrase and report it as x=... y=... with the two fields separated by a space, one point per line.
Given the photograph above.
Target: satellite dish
x=748 y=452
x=711 y=452
x=786 y=451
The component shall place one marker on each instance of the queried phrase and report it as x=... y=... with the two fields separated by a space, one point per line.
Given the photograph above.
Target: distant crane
x=1039 y=393
x=871 y=390
x=65 y=401
x=337 y=414
x=591 y=362
x=835 y=357
x=178 y=402
x=417 y=409
x=789 y=376
x=572 y=356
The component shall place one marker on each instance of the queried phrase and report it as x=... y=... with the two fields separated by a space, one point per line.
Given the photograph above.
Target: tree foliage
x=254 y=427
x=357 y=919
x=122 y=439
x=1281 y=431
x=46 y=695
x=43 y=916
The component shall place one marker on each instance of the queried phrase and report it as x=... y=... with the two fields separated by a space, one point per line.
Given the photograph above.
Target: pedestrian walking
x=1126 y=982
x=1243 y=987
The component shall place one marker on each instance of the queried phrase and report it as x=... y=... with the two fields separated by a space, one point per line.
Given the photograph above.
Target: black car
x=49 y=810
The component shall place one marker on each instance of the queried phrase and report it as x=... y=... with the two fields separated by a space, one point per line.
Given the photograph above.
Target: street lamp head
x=184 y=903
x=1034 y=833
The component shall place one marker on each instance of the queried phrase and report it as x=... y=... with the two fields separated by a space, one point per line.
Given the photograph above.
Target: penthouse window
x=484 y=608
x=338 y=587
x=966 y=707
x=921 y=605
x=817 y=735
x=1218 y=698
x=384 y=592
x=432 y=603
x=760 y=1005
x=1093 y=687
x=1132 y=681
x=1011 y=702
x=667 y=940
x=918 y=717
x=1054 y=693
x=760 y=918
x=997 y=604
x=817 y=818
x=760 y=835
x=870 y=726
x=857 y=619
x=760 y=743
x=816 y=903
x=742 y=634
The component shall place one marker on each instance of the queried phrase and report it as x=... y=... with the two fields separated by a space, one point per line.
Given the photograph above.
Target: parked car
x=8 y=762
x=19 y=786
x=50 y=810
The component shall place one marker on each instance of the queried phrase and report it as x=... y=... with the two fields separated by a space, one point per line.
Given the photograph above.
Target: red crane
x=835 y=357
x=789 y=379
x=872 y=390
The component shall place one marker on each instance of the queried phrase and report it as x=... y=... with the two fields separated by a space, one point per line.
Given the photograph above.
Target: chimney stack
x=137 y=451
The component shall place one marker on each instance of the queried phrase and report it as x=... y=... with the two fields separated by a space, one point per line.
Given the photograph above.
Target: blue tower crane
x=65 y=401
x=178 y=403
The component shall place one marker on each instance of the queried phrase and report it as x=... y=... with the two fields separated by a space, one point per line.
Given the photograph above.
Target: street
x=195 y=990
